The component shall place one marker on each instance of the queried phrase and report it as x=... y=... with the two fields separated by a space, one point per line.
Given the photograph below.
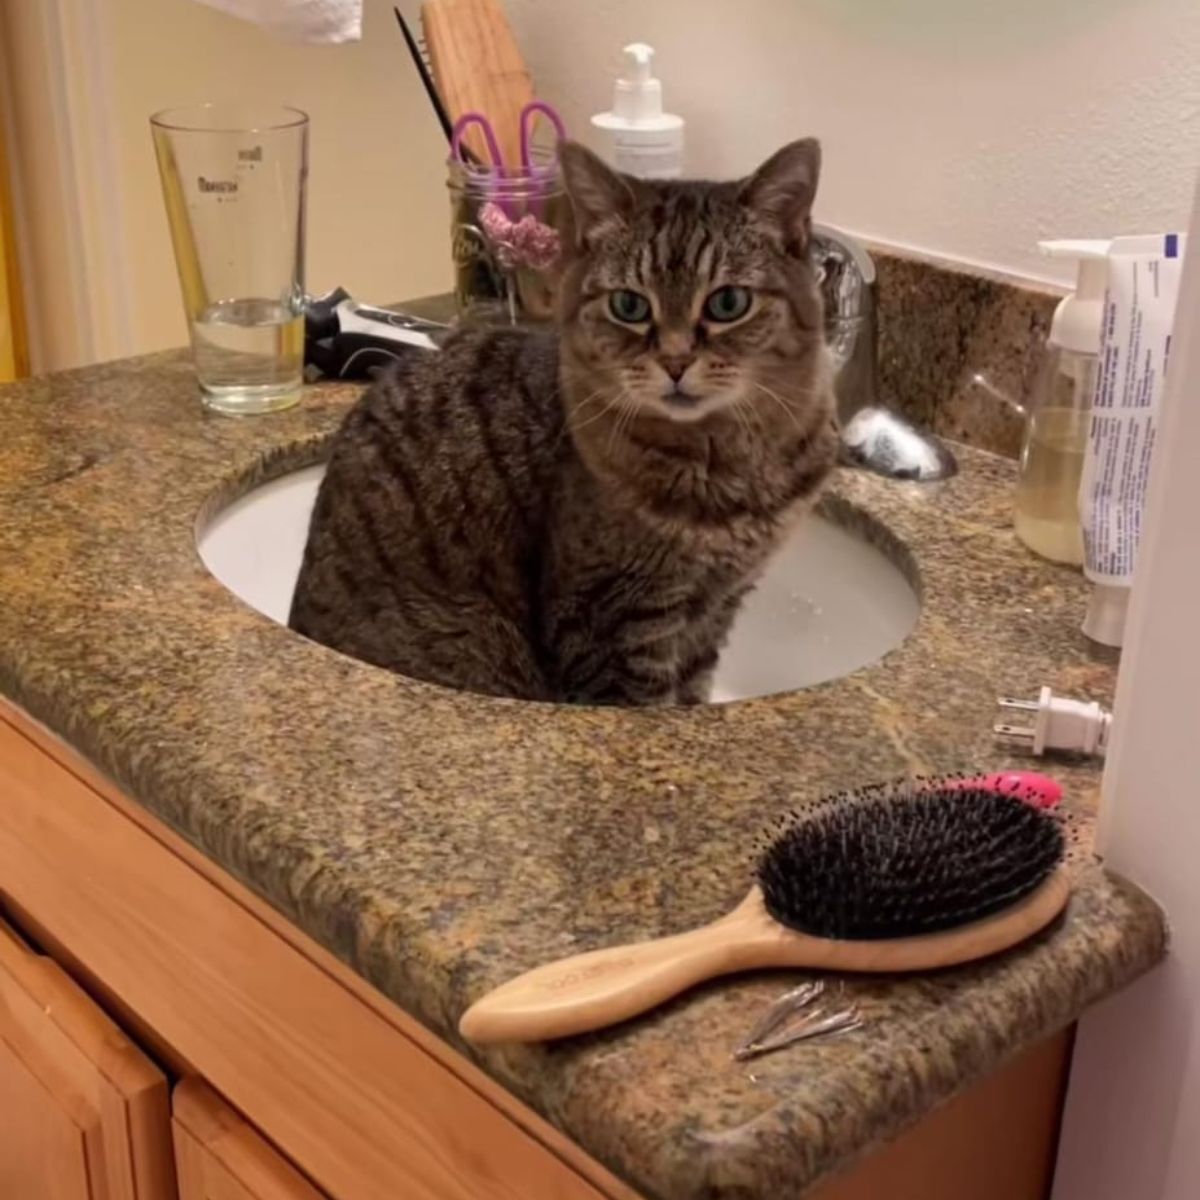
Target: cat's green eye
x=631 y=308
x=727 y=304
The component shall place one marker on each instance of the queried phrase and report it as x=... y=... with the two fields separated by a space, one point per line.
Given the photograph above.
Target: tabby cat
x=577 y=516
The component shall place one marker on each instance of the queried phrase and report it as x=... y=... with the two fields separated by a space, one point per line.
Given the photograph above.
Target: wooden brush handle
x=478 y=68
x=590 y=991
x=602 y=987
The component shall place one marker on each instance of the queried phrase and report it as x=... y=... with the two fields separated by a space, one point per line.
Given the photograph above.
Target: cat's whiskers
x=741 y=412
x=626 y=412
x=589 y=398
x=755 y=414
x=612 y=403
x=779 y=400
x=806 y=393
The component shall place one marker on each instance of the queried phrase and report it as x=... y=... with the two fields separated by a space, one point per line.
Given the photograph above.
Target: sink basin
x=828 y=603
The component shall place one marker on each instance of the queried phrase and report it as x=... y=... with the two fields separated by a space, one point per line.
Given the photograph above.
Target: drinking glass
x=233 y=179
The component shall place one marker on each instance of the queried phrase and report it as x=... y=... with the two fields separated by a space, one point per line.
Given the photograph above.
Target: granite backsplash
x=959 y=350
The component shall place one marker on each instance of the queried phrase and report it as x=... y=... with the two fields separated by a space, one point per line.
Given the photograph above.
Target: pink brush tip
x=1033 y=788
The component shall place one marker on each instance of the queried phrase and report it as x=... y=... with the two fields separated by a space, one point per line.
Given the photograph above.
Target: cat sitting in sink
x=576 y=516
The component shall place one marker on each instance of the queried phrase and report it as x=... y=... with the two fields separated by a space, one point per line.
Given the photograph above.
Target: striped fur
x=547 y=516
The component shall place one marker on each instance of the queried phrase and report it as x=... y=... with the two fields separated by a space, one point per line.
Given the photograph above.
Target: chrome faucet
x=873 y=436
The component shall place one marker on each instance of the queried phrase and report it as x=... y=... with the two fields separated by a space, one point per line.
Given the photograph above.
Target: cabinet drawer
x=83 y=1113
x=220 y=1156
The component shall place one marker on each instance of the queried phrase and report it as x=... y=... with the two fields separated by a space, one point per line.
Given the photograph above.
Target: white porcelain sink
x=828 y=603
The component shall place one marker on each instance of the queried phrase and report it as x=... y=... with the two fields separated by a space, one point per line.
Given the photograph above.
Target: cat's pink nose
x=676 y=365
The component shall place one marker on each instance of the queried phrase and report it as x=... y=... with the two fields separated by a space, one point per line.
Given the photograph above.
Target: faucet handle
x=845 y=275
x=872 y=436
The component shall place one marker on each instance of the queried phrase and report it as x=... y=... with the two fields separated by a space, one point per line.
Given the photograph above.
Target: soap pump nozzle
x=641 y=56
x=1078 y=317
x=637 y=95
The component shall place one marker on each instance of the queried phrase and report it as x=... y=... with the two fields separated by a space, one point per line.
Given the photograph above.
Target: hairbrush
x=907 y=876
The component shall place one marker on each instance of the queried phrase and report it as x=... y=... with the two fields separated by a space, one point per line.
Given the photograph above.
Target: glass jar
x=504 y=240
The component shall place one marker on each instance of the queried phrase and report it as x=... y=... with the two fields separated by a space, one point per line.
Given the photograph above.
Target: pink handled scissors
x=527 y=119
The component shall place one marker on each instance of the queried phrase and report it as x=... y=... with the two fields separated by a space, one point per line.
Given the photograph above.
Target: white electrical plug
x=1059 y=723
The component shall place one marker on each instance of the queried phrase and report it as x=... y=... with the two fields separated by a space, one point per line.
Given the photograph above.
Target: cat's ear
x=601 y=200
x=782 y=190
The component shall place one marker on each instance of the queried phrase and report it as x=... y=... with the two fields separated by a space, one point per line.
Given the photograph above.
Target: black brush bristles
x=900 y=860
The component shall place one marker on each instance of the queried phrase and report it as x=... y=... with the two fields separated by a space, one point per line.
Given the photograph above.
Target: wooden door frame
x=69 y=39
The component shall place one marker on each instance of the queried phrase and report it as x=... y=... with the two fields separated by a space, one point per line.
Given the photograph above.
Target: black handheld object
x=354 y=355
x=345 y=340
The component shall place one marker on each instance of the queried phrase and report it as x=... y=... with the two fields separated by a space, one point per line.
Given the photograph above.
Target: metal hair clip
x=795 y=1017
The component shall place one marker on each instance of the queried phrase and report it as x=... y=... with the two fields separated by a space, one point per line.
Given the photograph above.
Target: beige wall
x=377 y=209
x=962 y=127
x=969 y=128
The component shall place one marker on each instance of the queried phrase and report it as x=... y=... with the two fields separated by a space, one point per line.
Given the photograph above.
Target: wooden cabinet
x=220 y=1157
x=83 y=1113
x=365 y=1101
x=368 y=1103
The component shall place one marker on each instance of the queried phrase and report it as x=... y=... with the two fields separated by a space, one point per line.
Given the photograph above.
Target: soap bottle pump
x=644 y=140
x=1056 y=429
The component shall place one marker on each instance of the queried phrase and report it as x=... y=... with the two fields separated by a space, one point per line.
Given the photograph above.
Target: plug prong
x=1016 y=732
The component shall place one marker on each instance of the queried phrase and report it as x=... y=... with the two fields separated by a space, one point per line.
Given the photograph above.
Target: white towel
x=299 y=20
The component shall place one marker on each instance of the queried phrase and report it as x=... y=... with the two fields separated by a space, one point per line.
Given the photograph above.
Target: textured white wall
x=969 y=128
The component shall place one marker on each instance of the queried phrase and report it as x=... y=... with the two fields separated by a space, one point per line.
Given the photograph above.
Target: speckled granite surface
x=440 y=843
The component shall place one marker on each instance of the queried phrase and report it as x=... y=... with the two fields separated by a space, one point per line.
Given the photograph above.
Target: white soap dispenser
x=1056 y=430
x=643 y=140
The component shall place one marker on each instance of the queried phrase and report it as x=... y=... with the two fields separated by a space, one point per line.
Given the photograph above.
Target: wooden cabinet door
x=83 y=1113
x=220 y=1156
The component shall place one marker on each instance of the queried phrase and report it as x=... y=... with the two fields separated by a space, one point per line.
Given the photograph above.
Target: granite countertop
x=440 y=843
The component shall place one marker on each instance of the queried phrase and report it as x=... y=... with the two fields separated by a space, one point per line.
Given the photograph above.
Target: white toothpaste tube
x=1135 y=341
